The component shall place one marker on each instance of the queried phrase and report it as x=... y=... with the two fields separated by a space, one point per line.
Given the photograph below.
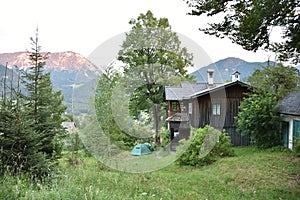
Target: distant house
x=69 y=126
x=200 y=104
x=289 y=107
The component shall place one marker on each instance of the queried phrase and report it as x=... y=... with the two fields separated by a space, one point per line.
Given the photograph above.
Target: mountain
x=70 y=72
x=11 y=78
x=58 y=61
x=224 y=68
x=75 y=75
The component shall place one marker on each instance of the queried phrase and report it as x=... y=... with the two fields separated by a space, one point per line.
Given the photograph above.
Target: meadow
x=251 y=174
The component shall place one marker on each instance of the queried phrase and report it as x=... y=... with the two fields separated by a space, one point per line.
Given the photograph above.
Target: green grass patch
x=251 y=174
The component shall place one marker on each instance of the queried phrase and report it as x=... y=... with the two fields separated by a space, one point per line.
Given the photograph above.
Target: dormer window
x=235 y=76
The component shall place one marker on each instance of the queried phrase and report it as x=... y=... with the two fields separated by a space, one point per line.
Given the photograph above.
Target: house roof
x=185 y=90
x=236 y=72
x=290 y=104
x=217 y=88
x=178 y=117
x=69 y=126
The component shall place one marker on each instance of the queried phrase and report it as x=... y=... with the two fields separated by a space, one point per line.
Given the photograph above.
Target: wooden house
x=177 y=117
x=289 y=107
x=211 y=104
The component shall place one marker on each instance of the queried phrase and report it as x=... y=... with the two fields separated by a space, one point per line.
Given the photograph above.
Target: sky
x=83 y=25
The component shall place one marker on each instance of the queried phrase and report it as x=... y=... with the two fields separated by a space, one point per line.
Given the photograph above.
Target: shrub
x=297 y=146
x=259 y=119
x=164 y=135
x=205 y=147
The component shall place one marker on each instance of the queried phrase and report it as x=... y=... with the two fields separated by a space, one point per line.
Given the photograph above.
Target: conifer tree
x=30 y=121
x=19 y=143
x=42 y=103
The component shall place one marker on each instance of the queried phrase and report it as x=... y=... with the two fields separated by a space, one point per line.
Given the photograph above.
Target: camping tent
x=140 y=149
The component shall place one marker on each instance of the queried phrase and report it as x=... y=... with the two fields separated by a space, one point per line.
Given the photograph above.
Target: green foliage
x=296 y=147
x=248 y=23
x=252 y=174
x=206 y=146
x=73 y=144
x=42 y=103
x=276 y=80
x=153 y=58
x=103 y=104
x=164 y=135
x=258 y=118
x=31 y=131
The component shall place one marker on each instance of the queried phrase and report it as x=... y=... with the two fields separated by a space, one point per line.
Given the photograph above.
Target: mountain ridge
x=66 y=60
x=65 y=68
x=224 y=68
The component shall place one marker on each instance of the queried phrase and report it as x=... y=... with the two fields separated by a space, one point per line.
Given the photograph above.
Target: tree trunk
x=156 y=117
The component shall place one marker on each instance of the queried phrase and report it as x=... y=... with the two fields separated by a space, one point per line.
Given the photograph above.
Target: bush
x=205 y=147
x=297 y=146
x=260 y=120
x=164 y=136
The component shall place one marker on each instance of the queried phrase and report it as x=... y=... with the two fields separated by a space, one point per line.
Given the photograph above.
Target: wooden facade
x=218 y=108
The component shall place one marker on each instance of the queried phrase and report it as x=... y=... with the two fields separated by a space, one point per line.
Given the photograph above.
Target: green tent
x=140 y=149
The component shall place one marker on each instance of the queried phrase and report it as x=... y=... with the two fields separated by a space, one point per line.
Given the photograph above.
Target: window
x=174 y=106
x=216 y=109
x=190 y=108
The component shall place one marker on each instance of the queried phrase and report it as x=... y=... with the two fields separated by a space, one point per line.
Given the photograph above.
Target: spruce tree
x=19 y=142
x=30 y=121
x=44 y=105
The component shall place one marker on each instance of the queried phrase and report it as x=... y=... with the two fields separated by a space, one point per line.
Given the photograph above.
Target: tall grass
x=251 y=174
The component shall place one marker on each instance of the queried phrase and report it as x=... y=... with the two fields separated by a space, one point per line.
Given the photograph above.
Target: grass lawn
x=251 y=174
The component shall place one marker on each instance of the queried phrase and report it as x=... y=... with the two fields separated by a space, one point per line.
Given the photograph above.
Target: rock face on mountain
x=70 y=72
x=58 y=61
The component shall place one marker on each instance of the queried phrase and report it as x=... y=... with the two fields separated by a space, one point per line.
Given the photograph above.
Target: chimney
x=235 y=76
x=210 y=77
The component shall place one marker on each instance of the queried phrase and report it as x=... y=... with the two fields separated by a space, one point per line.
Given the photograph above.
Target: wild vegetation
x=205 y=147
x=251 y=174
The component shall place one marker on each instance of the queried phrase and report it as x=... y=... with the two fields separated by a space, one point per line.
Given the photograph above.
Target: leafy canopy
x=103 y=104
x=258 y=116
x=275 y=80
x=249 y=23
x=153 y=57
